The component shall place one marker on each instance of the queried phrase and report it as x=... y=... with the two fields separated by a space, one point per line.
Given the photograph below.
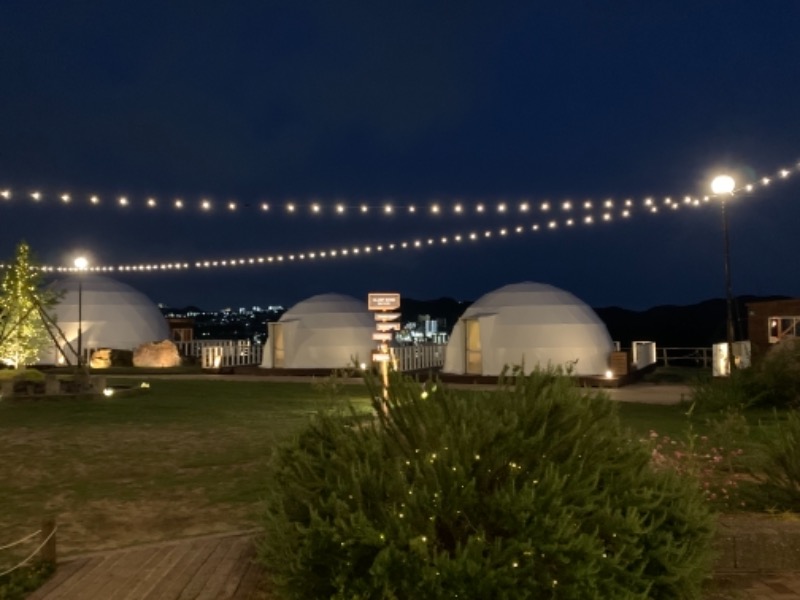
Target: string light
x=648 y=204
x=339 y=207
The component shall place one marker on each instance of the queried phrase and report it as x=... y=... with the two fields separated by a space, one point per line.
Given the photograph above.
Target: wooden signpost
x=385 y=306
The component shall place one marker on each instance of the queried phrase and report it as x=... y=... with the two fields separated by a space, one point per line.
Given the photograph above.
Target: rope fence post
x=47 y=553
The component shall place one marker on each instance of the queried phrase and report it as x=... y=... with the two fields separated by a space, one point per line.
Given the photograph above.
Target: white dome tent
x=113 y=315
x=530 y=324
x=328 y=331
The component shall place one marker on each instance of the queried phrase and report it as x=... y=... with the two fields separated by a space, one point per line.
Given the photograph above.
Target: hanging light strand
x=316 y=207
x=549 y=223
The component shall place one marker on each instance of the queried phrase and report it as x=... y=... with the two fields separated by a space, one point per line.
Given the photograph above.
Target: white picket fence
x=217 y=354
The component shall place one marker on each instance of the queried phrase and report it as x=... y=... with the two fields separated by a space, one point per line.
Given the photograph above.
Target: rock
x=157 y=354
x=103 y=358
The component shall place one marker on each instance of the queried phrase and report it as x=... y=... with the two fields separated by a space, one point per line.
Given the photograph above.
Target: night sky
x=417 y=102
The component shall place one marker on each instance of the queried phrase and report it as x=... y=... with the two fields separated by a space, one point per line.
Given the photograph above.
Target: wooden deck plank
x=250 y=584
x=179 y=576
x=154 y=574
x=72 y=587
x=64 y=572
x=224 y=570
x=139 y=565
x=120 y=574
x=237 y=576
x=204 y=570
x=214 y=568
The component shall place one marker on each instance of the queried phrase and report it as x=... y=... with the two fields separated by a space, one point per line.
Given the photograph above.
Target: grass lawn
x=185 y=458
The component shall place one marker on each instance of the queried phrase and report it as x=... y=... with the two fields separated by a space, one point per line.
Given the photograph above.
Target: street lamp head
x=81 y=263
x=723 y=184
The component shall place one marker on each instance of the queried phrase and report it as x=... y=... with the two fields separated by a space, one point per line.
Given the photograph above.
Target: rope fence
x=46 y=550
x=21 y=540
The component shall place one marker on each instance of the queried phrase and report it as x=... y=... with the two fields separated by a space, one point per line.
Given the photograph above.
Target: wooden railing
x=422 y=356
x=684 y=357
x=216 y=354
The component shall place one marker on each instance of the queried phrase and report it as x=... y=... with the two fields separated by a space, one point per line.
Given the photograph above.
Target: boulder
x=103 y=358
x=157 y=354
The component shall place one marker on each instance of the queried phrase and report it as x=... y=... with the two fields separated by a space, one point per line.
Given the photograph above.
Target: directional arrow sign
x=385 y=317
x=382 y=336
x=387 y=326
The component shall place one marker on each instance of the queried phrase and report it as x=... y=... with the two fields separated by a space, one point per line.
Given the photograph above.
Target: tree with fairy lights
x=23 y=299
x=533 y=490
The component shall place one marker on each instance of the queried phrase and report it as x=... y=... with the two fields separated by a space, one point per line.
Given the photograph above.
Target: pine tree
x=23 y=333
x=531 y=491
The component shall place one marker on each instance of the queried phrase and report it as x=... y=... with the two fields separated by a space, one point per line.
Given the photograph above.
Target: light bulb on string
x=319 y=207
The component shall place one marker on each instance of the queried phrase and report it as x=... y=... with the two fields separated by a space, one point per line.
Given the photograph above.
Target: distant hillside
x=701 y=324
x=695 y=325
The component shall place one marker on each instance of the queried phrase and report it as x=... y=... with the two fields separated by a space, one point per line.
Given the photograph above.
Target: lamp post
x=81 y=263
x=723 y=186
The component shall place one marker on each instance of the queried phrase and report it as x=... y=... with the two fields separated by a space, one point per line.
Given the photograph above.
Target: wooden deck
x=214 y=567
x=221 y=567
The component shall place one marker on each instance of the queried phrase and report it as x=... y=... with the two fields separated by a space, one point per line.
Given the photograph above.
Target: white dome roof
x=534 y=324
x=326 y=311
x=113 y=314
x=327 y=331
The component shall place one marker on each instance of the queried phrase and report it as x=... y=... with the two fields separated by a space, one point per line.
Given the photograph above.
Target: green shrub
x=18 y=584
x=779 y=474
x=32 y=375
x=720 y=394
x=776 y=378
x=529 y=492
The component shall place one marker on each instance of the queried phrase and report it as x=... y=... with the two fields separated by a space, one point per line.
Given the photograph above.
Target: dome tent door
x=474 y=359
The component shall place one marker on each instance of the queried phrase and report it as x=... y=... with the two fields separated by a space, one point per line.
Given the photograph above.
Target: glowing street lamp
x=81 y=264
x=723 y=187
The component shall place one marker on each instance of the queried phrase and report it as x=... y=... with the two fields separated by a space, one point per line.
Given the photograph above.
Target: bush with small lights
x=532 y=491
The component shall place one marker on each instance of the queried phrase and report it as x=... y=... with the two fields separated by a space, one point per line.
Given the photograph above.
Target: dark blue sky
x=414 y=101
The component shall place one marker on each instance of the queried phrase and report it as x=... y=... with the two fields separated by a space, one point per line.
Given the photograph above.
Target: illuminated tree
x=23 y=332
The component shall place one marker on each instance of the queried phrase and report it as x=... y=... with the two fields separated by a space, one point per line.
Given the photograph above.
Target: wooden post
x=48 y=552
